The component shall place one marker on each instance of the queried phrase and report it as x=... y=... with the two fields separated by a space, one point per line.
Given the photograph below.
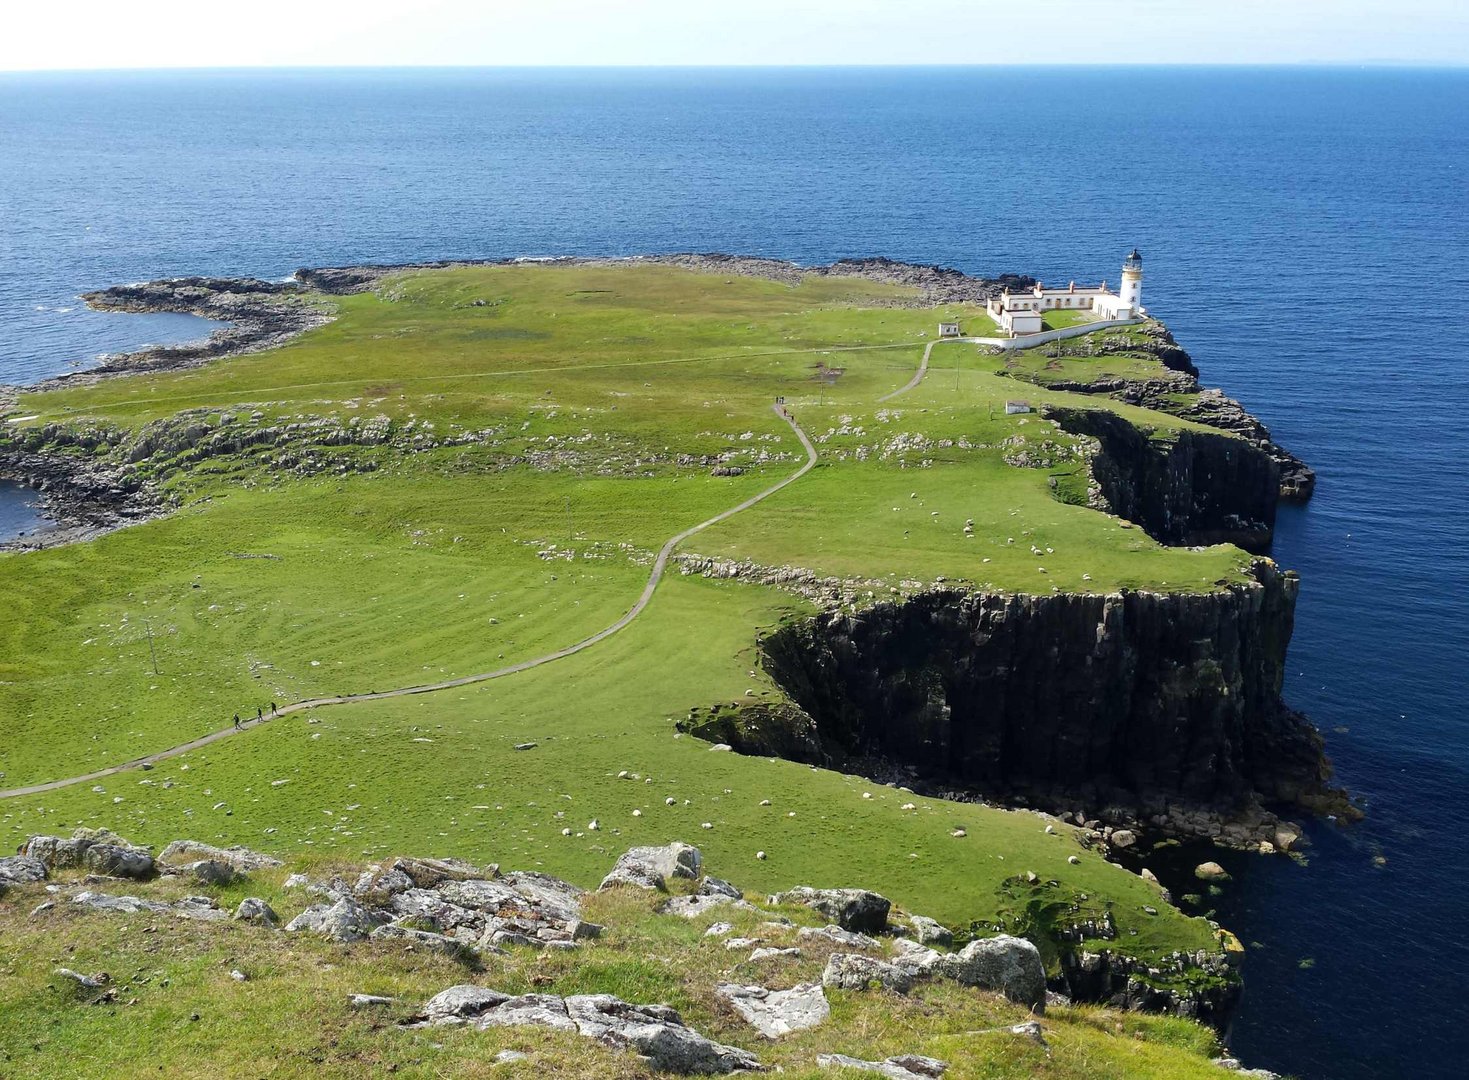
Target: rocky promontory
x=1135 y=708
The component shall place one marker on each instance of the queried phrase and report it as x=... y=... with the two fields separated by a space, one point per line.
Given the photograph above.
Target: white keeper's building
x=1024 y=312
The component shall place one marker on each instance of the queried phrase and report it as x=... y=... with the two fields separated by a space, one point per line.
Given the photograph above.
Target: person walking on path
x=237 y=721
x=273 y=709
x=258 y=715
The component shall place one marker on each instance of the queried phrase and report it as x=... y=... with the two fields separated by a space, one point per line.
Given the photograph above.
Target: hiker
x=273 y=709
x=258 y=714
x=237 y=721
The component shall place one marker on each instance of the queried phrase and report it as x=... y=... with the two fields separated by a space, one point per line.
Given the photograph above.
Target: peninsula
x=832 y=569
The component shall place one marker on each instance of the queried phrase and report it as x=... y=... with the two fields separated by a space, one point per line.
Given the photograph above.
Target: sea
x=1305 y=233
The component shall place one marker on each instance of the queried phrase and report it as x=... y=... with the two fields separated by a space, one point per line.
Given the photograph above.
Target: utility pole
x=152 y=652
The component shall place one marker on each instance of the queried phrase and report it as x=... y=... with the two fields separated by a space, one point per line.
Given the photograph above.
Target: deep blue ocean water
x=1306 y=235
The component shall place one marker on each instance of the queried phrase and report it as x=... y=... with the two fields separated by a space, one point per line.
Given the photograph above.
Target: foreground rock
x=856 y=910
x=849 y=971
x=186 y=853
x=345 y=921
x=1010 y=965
x=20 y=870
x=654 y=1031
x=651 y=867
x=97 y=850
x=202 y=908
x=774 y=1013
x=903 y=1067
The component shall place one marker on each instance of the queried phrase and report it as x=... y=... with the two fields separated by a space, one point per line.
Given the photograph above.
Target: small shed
x=948 y=329
x=1013 y=407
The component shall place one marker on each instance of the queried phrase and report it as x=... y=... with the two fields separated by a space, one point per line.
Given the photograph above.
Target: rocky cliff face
x=1165 y=706
x=1192 y=487
x=1177 y=392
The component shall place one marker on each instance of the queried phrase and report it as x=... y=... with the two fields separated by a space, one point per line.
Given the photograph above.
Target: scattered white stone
x=594 y=825
x=959 y=832
x=706 y=825
x=760 y=855
x=1073 y=860
x=637 y=813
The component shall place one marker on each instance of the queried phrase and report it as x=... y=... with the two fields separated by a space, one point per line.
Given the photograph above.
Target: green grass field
x=599 y=396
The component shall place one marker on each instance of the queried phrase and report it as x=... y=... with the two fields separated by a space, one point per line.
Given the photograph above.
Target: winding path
x=659 y=566
x=923 y=365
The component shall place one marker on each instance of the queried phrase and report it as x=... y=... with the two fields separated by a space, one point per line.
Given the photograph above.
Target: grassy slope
x=430 y=566
x=179 y=1011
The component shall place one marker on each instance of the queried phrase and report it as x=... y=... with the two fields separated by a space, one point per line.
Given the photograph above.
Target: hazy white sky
x=201 y=33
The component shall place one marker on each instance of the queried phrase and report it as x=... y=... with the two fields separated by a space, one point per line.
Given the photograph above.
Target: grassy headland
x=544 y=431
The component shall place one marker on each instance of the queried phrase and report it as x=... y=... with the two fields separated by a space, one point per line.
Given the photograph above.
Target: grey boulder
x=183 y=853
x=460 y=1003
x=254 y=910
x=851 y=971
x=651 y=867
x=654 y=1031
x=418 y=939
x=929 y=932
x=20 y=870
x=116 y=861
x=903 y=1067
x=431 y=873
x=344 y=921
x=837 y=936
x=210 y=872
x=1009 y=965
x=852 y=909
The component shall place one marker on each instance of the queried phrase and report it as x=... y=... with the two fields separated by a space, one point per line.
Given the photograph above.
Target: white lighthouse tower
x=1131 y=292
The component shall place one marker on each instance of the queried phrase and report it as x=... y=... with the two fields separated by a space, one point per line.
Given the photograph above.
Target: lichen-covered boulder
x=209 y=872
x=20 y=870
x=252 y=909
x=852 y=971
x=431 y=873
x=651 y=867
x=424 y=940
x=929 y=932
x=184 y=853
x=344 y=921
x=902 y=1067
x=852 y=909
x=116 y=861
x=654 y=1031
x=1009 y=965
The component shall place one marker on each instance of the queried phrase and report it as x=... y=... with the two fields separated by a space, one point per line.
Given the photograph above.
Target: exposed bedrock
x=1176 y=392
x=1165 y=707
x=1191 y=487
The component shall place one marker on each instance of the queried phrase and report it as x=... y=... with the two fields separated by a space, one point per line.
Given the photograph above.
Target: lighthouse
x=1131 y=292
